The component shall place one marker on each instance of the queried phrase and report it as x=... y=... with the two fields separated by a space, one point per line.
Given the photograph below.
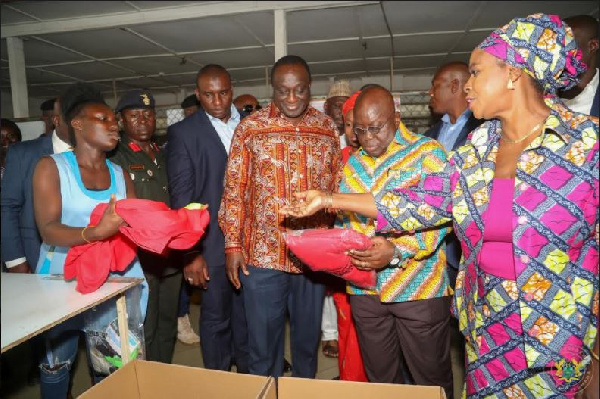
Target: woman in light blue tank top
x=67 y=187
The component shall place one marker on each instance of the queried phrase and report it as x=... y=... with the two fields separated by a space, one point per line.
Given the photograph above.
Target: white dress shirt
x=583 y=102
x=225 y=130
x=58 y=145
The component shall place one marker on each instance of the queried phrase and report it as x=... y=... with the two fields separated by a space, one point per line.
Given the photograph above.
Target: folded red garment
x=150 y=225
x=324 y=250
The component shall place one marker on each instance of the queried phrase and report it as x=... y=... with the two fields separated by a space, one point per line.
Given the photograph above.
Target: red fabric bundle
x=324 y=250
x=151 y=225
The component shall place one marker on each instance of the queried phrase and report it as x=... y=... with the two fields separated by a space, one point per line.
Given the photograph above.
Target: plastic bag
x=102 y=333
x=324 y=250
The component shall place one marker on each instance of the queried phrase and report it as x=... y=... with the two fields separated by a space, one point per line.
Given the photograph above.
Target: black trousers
x=160 y=326
x=416 y=332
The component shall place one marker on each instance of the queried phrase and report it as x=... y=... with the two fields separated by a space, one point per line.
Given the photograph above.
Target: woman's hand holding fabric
x=109 y=224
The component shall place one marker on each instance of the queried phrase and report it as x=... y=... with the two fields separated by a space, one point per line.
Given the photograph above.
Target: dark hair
x=48 y=105
x=211 y=69
x=74 y=99
x=290 y=60
x=11 y=125
x=369 y=85
x=190 y=101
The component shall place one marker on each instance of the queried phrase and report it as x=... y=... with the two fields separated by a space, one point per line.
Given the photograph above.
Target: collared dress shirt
x=449 y=132
x=225 y=130
x=58 y=145
x=422 y=271
x=270 y=160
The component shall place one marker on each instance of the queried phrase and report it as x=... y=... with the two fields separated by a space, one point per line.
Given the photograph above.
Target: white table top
x=33 y=303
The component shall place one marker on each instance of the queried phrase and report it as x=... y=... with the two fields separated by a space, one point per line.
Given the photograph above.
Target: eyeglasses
x=250 y=107
x=373 y=130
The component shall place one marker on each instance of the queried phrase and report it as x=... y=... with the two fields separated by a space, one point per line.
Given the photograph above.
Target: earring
x=510 y=85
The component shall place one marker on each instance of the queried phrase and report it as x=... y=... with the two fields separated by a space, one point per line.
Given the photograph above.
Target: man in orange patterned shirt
x=282 y=149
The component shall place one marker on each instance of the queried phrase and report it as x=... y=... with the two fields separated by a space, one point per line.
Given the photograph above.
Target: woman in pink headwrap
x=523 y=196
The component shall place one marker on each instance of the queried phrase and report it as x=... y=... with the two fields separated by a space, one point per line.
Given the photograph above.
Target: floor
x=17 y=363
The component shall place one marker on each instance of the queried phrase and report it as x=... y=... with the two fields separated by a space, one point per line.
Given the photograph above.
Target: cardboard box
x=300 y=388
x=148 y=380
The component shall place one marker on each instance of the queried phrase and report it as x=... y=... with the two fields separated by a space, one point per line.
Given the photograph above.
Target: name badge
x=137 y=167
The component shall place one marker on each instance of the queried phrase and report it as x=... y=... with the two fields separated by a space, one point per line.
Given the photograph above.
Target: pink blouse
x=496 y=256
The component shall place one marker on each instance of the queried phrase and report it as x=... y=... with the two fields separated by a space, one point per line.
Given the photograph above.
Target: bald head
x=375 y=101
x=374 y=120
x=245 y=100
x=455 y=70
x=447 y=94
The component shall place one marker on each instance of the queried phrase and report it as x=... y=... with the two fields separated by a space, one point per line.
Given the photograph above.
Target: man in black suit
x=448 y=98
x=196 y=161
x=20 y=238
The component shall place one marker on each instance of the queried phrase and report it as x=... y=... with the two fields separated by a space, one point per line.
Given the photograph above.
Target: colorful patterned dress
x=547 y=318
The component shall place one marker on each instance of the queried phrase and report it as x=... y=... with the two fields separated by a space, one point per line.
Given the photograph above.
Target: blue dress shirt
x=449 y=132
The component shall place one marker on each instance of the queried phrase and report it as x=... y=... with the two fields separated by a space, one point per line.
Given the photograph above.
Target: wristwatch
x=397 y=257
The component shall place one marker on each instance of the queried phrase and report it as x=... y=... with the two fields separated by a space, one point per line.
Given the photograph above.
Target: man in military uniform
x=145 y=163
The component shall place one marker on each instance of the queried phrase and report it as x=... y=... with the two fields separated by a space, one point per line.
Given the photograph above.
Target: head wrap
x=340 y=89
x=543 y=46
x=350 y=103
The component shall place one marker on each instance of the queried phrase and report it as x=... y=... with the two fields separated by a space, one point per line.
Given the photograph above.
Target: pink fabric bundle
x=324 y=250
x=151 y=225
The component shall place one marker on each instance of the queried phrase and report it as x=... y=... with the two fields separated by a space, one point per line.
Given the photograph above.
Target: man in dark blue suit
x=448 y=98
x=20 y=238
x=196 y=161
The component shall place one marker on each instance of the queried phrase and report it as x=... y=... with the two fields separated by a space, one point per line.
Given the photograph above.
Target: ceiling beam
x=115 y=20
x=156 y=76
x=22 y=12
